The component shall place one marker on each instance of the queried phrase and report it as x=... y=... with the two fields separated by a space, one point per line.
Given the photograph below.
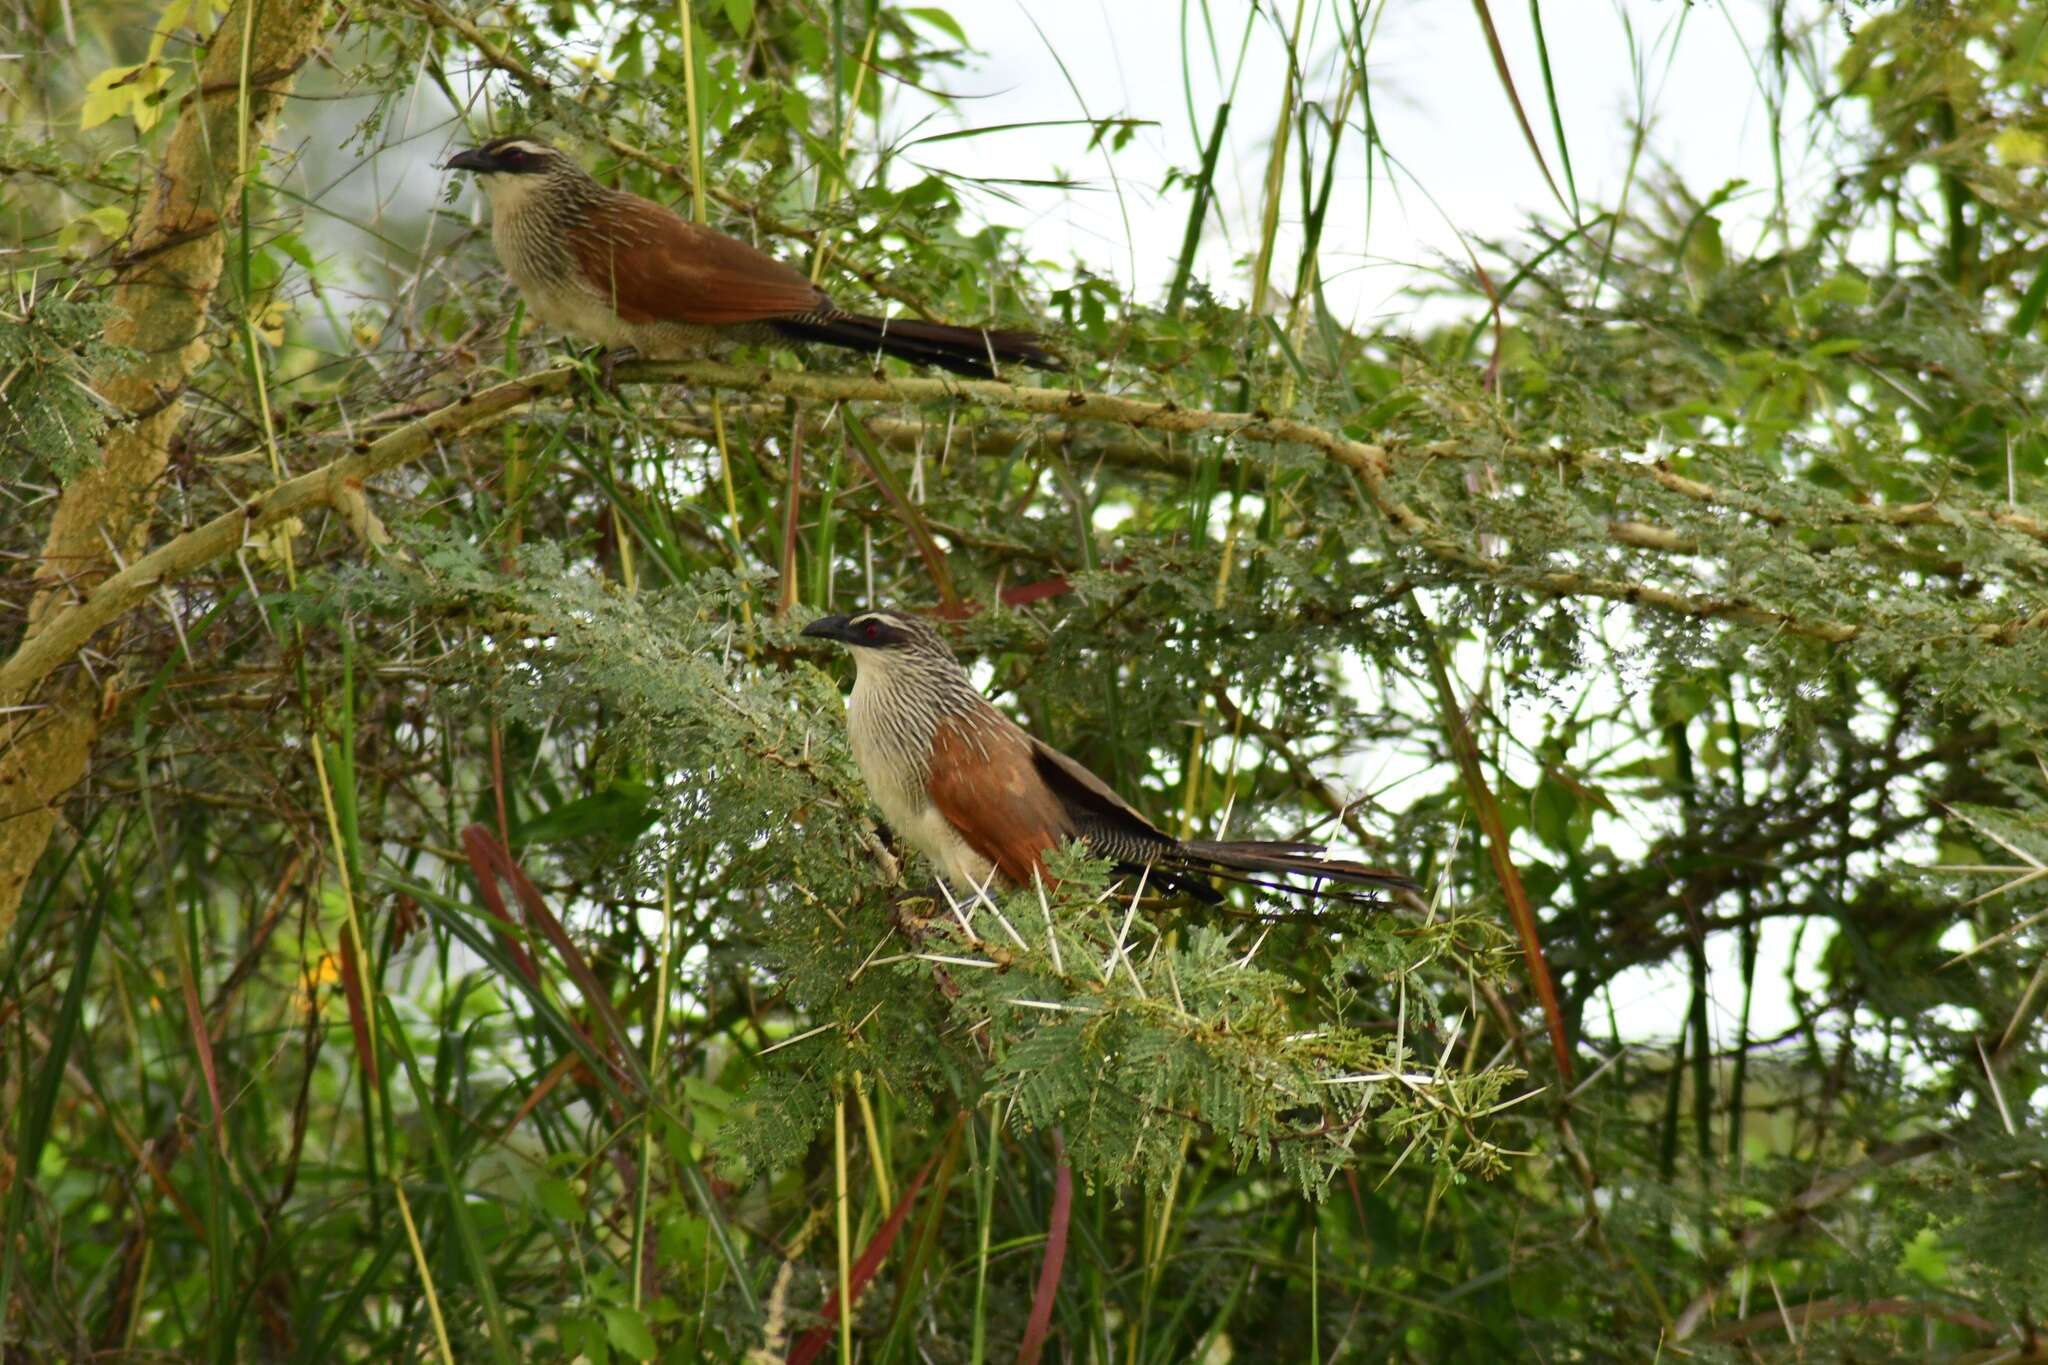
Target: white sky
x=1435 y=95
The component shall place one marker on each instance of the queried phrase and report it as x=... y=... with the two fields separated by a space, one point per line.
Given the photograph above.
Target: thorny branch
x=340 y=483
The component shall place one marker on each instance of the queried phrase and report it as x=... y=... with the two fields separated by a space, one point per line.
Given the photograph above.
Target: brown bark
x=159 y=312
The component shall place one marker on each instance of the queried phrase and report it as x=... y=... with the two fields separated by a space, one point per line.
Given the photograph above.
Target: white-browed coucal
x=964 y=785
x=623 y=271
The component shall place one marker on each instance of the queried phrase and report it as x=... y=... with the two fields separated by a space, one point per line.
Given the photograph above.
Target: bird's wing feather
x=658 y=267
x=1093 y=805
x=983 y=781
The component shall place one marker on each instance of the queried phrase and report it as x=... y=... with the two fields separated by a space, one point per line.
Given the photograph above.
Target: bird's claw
x=609 y=364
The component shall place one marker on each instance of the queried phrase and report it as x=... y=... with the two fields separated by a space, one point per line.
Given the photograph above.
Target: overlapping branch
x=340 y=484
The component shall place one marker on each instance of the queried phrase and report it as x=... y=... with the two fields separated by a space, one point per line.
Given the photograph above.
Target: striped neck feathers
x=916 y=677
x=556 y=197
x=901 y=695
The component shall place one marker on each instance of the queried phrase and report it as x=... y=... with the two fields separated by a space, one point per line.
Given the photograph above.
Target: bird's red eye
x=871 y=631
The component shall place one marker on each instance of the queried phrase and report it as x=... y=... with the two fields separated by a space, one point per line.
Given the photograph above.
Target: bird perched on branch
x=623 y=271
x=965 y=786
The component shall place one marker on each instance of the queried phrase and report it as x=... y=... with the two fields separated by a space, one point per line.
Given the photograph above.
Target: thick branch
x=1373 y=464
x=336 y=483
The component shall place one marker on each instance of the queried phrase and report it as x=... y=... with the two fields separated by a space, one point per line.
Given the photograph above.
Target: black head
x=514 y=155
x=881 y=629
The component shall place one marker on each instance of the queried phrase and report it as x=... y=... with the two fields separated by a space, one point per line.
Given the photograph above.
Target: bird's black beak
x=830 y=628
x=472 y=159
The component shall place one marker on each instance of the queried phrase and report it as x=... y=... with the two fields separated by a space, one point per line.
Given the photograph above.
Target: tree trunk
x=159 y=302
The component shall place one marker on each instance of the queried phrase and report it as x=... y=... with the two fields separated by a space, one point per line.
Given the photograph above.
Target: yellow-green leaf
x=173 y=17
x=107 y=221
x=128 y=90
x=270 y=323
x=627 y=1331
x=2021 y=147
x=1705 y=257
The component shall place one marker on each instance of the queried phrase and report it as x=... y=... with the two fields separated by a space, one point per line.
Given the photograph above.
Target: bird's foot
x=913 y=915
x=608 y=365
x=608 y=361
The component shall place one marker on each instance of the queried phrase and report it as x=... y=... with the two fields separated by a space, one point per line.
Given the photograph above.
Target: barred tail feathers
x=972 y=351
x=1291 y=859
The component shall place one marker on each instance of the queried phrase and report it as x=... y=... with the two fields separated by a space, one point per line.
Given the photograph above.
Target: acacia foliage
x=1731 y=557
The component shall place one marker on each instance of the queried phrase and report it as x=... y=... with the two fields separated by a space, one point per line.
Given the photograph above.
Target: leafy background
x=469 y=938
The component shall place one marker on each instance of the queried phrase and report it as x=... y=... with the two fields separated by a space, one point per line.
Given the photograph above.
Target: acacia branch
x=334 y=484
x=1825 y=1189
x=340 y=482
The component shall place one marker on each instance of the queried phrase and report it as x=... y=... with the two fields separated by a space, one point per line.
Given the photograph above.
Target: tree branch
x=1825 y=1189
x=342 y=480
x=159 y=301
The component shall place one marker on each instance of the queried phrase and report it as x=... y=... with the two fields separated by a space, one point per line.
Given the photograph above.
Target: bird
x=625 y=272
x=984 y=800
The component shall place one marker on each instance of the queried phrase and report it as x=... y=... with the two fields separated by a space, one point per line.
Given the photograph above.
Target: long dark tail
x=1290 y=860
x=973 y=351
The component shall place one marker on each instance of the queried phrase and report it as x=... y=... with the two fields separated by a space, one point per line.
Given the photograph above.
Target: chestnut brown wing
x=984 y=782
x=657 y=267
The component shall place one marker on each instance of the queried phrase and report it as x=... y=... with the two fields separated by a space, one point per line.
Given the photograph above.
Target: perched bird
x=623 y=271
x=965 y=786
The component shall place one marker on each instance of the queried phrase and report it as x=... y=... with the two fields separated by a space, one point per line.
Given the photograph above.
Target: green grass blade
x=34 y=1131
x=1564 y=150
x=1507 y=83
x=428 y=1114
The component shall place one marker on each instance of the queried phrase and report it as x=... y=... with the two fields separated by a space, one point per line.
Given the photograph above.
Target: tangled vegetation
x=440 y=918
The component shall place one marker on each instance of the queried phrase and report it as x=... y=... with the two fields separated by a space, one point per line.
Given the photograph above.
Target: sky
x=1683 y=65
x=1440 y=107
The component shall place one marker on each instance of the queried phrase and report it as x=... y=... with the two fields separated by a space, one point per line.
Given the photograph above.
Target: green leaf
x=108 y=221
x=740 y=14
x=125 y=90
x=1677 y=700
x=622 y=811
x=939 y=20
x=1846 y=290
x=2020 y=147
x=1705 y=257
x=1552 y=809
x=585 y=1338
x=1926 y=1257
x=2030 y=306
x=560 y=1198
x=626 y=1329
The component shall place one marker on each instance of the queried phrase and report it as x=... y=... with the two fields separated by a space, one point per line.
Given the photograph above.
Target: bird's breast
x=533 y=248
x=892 y=745
x=891 y=762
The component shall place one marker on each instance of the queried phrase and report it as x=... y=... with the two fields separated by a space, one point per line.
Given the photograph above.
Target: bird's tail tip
x=1296 y=859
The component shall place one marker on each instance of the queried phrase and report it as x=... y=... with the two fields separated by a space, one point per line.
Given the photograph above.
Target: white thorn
x=1052 y=933
x=1109 y=966
x=954 y=906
